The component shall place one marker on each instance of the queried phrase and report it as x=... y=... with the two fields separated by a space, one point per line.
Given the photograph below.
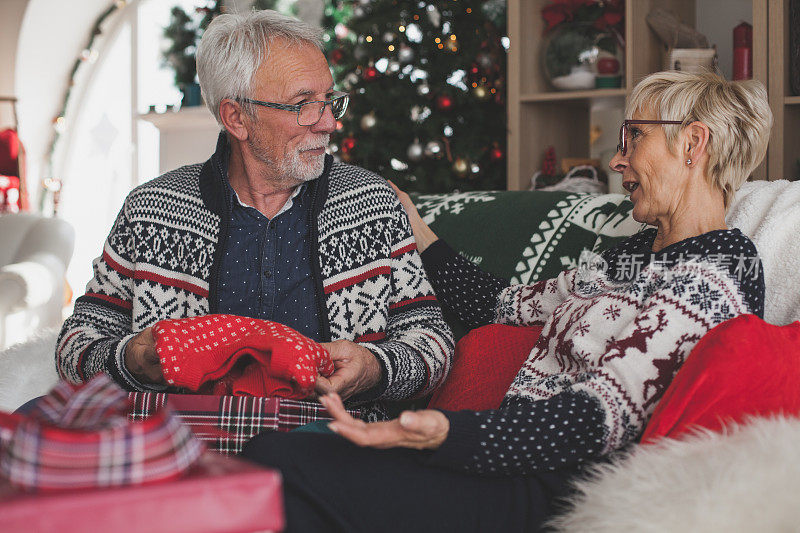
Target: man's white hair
x=737 y=114
x=234 y=46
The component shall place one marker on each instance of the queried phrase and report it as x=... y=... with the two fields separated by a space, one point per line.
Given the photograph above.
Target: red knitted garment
x=228 y=354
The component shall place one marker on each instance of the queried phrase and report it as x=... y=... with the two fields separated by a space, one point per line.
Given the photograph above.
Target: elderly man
x=269 y=227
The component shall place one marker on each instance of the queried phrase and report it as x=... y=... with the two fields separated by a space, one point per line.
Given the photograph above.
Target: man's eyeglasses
x=623 y=131
x=309 y=113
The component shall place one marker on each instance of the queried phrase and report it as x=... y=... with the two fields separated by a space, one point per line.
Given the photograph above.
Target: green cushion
x=526 y=236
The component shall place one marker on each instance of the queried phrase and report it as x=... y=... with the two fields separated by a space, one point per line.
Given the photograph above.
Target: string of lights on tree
x=427 y=85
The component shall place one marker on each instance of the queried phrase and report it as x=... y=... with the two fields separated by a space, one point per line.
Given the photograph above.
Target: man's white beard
x=294 y=167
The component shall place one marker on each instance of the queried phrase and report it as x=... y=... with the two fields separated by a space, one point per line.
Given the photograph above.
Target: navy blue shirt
x=266 y=267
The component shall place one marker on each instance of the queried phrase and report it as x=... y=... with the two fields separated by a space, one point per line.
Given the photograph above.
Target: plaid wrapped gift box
x=226 y=423
x=79 y=437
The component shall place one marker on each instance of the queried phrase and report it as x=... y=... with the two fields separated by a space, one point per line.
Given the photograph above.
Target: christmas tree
x=427 y=86
x=181 y=35
x=184 y=32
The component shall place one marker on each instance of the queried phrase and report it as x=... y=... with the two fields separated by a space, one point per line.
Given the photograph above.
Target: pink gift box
x=219 y=494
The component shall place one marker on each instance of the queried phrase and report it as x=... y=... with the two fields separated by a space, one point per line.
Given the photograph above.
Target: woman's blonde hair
x=737 y=114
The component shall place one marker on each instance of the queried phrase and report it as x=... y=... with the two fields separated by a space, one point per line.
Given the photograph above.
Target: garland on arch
x=88 y=54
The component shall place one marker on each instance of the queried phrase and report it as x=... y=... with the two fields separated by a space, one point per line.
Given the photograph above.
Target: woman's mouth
x=630 y=186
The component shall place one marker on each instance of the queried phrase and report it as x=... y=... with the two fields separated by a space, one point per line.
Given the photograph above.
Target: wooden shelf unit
x=539 y=117
x=571 y=95
x=784 y=144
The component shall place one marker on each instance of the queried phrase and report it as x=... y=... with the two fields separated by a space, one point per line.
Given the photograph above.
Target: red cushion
x=485 y=363
x=743 y=367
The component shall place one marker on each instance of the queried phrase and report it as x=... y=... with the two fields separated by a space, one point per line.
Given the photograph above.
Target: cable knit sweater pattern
x=161 y=261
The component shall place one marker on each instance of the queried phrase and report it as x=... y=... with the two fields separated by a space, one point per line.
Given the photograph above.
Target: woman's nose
x=619 y=162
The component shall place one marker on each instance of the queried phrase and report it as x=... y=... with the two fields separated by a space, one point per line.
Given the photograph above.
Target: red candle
x=743 y=52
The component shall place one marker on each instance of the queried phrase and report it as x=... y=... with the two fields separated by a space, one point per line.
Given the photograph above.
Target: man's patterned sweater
x=162 y=260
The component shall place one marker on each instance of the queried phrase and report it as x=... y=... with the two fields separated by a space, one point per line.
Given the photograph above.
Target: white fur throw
x=769 y=213
x=28 y=369
x=743 y=481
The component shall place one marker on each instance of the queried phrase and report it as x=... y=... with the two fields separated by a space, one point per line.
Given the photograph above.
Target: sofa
x=728 y=458
x=527 y=236
x=34 y=254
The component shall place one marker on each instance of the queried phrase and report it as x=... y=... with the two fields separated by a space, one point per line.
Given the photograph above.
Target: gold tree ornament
x=480 y=92
x=434 y=149
x=461 y=167
x=369 y=121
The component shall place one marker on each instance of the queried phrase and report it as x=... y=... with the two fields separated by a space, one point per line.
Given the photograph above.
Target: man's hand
x=420 y=430
x=141 y=358
x=355 y=369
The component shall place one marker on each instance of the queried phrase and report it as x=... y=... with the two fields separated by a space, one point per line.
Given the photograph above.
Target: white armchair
x=34 y=254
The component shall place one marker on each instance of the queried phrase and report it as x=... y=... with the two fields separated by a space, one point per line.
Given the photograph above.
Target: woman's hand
x=420 y=430
x=422 y=233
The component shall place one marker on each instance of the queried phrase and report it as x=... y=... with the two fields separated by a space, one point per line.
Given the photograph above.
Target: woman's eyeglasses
x=622 y=147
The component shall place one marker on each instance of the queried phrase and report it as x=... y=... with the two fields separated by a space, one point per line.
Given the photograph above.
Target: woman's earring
x=688 y=162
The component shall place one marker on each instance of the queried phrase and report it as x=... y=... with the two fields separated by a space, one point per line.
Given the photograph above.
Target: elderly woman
x=612 y=338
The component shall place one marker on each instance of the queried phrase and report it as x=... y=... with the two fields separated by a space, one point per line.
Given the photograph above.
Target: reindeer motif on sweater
x=621 y=339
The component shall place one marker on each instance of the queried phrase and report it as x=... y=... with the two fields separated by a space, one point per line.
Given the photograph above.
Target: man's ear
x=233 y=118
x=696 y=143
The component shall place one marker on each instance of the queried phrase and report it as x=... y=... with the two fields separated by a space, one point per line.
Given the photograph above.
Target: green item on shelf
x=568 y=47
x=608 y=82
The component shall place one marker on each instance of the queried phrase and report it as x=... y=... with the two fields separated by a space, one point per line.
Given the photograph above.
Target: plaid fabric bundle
x=229 y=354
x=226 y=423
x=80 y=437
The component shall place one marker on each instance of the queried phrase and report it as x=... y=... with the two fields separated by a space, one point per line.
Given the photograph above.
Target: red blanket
x=227 y=354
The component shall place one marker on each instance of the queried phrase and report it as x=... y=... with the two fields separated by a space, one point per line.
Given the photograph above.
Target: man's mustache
x=322 y=142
